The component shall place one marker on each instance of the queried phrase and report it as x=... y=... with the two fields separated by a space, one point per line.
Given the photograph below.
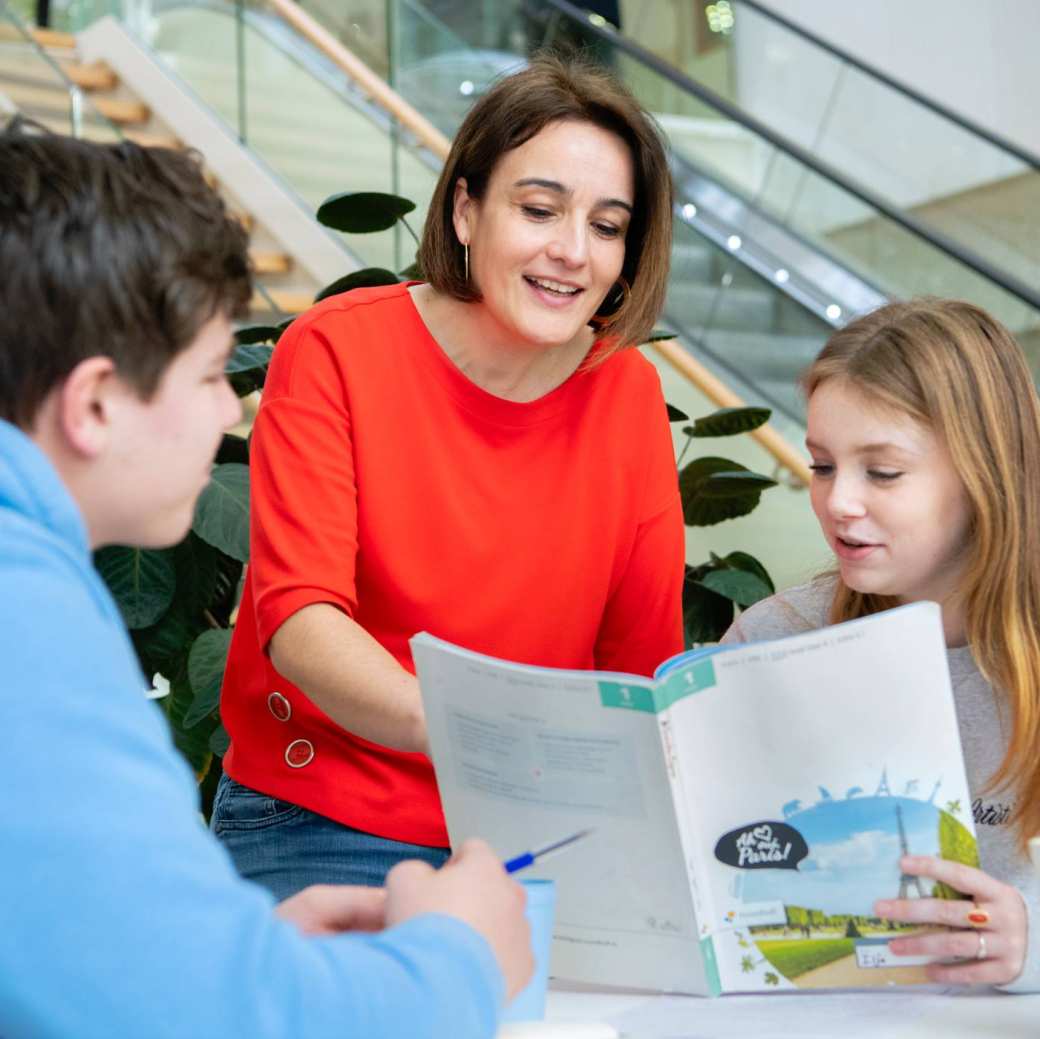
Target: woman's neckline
x=535 y=403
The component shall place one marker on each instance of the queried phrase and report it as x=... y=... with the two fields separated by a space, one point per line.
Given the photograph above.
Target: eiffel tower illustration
x=905 y=880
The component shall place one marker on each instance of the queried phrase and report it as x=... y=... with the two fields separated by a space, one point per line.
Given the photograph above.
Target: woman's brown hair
x=956 y=370
x=511 y=113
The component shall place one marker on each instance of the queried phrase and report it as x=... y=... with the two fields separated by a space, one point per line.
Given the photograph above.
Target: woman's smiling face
x=547 y=240
x=887 y=496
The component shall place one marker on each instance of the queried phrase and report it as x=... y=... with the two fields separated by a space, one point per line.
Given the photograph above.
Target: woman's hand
x=989 y=933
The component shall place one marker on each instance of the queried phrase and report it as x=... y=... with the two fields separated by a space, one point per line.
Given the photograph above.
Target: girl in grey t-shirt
x=924 y=430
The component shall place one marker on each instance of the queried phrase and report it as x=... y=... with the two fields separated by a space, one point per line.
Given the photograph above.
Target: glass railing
x=295 y=110
x=773 y=245
x=846 y=228
x=961 y=179
x=716 y=292
x=779 y=224
x=34 y=85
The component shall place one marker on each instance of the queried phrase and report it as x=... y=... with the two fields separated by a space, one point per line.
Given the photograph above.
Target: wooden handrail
x=720 y=394
x=384 y=95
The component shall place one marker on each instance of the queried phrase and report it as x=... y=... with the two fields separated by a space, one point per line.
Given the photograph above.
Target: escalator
x=786 y=223
x=778 y=236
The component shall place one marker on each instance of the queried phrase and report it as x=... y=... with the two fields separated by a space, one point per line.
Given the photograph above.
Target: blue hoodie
x=119 y=915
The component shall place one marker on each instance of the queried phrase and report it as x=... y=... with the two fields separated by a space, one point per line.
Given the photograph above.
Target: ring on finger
x=977 y=917
x=980 y=952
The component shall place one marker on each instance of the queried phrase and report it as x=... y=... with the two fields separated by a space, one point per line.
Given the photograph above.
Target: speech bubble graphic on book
x=763 y=845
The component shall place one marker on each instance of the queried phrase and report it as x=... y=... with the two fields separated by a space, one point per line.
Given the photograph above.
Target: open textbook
x=750 y=803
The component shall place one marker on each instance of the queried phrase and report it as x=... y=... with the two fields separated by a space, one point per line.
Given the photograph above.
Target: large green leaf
x=361 y=212
x=742 y=587
x=142 y=582
x=219 y=741
x=367 y=277
x=206 y=673
x=701 y=508
x=706 y=615
x=196 y=575
x=659 y=335
x=258 y=334
x=744 y=561
x=192 y=743
x=164 y=646
x=727 y=422
x=222 y=512
x=735 y=484
x=674 y=414
x=248 y=357
x=233 y=448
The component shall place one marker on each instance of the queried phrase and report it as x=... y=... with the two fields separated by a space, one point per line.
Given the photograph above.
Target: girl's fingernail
x=978 y=917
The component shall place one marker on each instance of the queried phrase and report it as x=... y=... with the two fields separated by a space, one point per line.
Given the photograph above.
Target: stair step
x=265 y=262
x=54 y=40
x=151 y=139
x=288 y=302
x=123 y=112
x=95 y=76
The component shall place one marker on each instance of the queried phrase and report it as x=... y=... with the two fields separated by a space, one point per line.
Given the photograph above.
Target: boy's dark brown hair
x=112 y=250
x=511 y=113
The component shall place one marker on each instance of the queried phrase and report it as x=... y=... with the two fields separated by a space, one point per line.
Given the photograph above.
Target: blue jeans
x=286 y=848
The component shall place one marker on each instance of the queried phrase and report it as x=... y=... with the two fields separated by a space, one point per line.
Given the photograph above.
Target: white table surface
x=907 y=1014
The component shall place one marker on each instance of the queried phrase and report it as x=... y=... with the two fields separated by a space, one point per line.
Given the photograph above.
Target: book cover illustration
x=799 y=911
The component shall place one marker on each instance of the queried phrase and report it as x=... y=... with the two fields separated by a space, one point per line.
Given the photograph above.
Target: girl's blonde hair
x=958 y=371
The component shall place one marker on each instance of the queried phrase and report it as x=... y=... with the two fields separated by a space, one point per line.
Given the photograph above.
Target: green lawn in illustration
x=798 y=956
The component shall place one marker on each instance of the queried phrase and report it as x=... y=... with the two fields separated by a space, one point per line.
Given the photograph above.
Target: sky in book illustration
x=854 y=850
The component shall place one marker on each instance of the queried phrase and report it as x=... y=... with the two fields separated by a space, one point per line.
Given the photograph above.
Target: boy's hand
x=473 y=887
x=332 y=908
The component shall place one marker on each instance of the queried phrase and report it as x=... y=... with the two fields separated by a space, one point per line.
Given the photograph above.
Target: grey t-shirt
x=983 y=732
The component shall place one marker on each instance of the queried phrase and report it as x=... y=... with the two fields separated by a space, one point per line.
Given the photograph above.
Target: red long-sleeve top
x=386 y=483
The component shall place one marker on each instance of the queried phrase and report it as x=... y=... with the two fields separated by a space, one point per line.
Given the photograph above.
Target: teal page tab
x=691 y=679
x=653 y=699
x=627 y=696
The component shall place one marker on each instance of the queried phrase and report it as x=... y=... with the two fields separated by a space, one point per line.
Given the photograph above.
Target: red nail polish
x=979 y=917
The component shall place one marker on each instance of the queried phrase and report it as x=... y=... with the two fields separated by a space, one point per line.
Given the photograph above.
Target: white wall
x=977 y=58
x=980 y=59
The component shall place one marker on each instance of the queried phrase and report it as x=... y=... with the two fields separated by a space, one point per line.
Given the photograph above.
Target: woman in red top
x=475 y=456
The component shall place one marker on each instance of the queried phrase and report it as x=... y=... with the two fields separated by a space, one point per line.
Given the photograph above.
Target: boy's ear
x=86 y=404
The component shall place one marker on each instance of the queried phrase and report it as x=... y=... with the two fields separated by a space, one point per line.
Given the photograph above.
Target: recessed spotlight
x=466 y=87
x=733 y=243
x=834 y=312
x=782 y=275
x=689 y=211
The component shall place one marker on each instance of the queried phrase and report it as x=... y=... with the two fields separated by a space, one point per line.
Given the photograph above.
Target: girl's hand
x=989 y=933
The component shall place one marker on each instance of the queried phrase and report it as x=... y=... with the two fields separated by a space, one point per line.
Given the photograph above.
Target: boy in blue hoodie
x=120 y=272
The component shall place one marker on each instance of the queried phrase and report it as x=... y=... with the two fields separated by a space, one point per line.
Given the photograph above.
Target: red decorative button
x=299 y=753
x=279 y=706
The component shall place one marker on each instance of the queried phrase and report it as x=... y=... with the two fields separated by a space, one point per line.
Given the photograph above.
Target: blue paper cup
x=529 y=1004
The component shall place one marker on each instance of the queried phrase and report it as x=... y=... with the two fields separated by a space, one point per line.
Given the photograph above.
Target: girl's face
x=547 y=240
x=887 y=496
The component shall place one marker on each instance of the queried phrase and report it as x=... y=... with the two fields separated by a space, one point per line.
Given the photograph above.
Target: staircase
x=41 y=83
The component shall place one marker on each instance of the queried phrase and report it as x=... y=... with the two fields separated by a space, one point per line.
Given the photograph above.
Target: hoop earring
x=465 y=260
x=618 y=300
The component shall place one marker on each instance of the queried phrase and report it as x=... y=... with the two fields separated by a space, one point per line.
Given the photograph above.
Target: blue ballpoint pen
x=528 y=858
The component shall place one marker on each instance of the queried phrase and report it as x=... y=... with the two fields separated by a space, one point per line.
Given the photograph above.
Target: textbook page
x=821 y=758
x=526 y=756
